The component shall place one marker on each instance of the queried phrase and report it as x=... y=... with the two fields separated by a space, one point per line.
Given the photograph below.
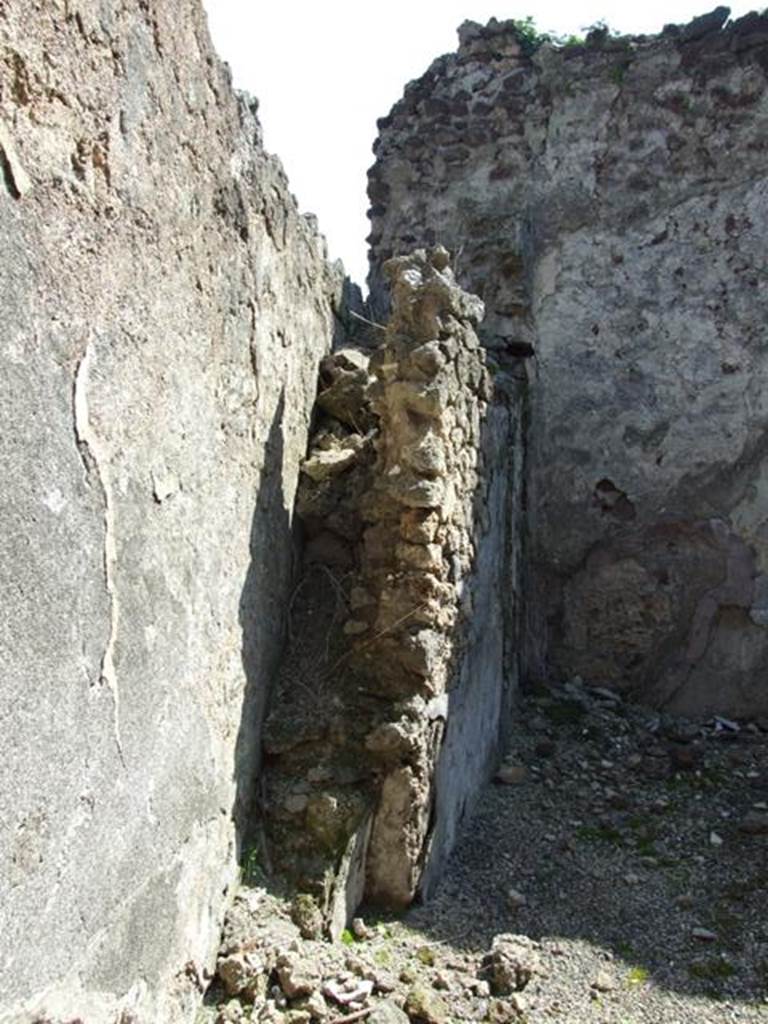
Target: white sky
x=324 y=70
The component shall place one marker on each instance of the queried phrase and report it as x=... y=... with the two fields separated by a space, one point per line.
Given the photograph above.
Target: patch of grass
x=251 y=872
x=566 y=41
x=667 y=861
x=529 y=36
x=646 y=835
x=715 y=968
x=347 y=938
x=638 y=976
x=700 y=781
x=646 y=845
x=600 y=834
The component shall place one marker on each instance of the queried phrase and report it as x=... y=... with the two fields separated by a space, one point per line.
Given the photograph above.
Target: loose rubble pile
x=615 y=872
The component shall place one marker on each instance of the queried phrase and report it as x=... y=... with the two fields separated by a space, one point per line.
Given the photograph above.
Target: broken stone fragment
x=511 y=774
x=515 y=899
x=294 y=979
x=418 y=493
x=387 y=1012
x=232 y=1012
x=307 y=916
x=427 y=556
x=428 y=358
x=328 y=462
x=603 y=982
x=394 y=739
x=425 y=652
x=344 y=392
x=360 y=929
x=512 y=962
x=353 y=990
x=270 y=1013
x=295 y=803
x=426 y=455
x=397 y=838
x=313 y=1004
x=239 y=972
x=423 y=399
x=425 y=297
x=424 y=1005
x=295 y=1016
x=419 y=527
x=754 y=823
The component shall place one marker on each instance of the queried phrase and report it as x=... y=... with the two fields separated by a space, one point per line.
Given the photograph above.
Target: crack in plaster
x=87 y=444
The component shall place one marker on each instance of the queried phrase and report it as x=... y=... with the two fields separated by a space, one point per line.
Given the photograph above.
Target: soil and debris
x=615 y=871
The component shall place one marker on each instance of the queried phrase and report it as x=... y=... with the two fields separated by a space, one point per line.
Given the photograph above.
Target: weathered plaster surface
x=164 y=309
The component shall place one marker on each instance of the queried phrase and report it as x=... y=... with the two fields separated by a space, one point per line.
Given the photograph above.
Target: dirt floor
x=615 y=872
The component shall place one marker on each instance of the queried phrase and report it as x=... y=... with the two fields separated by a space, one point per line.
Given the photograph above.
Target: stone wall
x=608 y=202
x=164 y=311
x=394 y=697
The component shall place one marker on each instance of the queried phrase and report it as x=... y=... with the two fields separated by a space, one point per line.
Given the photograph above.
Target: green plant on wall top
x=531 y=38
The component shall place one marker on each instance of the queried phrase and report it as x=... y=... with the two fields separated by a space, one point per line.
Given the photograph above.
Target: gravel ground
x=615 y=872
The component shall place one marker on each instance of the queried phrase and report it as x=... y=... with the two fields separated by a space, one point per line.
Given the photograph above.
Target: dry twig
x=357 y=1015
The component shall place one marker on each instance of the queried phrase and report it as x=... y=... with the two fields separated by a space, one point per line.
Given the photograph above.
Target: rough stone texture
x=164 y=312
x=608 y=203
x=511 y=963
x=395 y=689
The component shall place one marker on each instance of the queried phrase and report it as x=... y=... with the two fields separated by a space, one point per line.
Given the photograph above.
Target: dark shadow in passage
x=262 y=617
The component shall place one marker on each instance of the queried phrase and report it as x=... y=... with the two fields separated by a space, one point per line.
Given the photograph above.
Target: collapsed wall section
x=608 y=201
x=394 y=696
x=164 y=309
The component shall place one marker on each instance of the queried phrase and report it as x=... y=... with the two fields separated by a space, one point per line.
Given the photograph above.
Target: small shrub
x=252 y=872
x=529 y=37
